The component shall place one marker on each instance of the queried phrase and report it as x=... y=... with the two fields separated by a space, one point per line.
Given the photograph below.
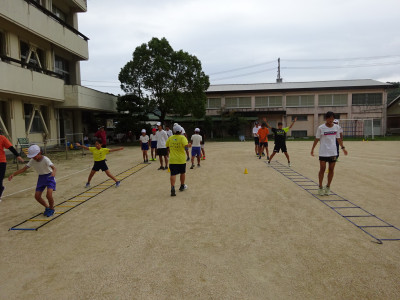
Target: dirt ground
x=230 y=235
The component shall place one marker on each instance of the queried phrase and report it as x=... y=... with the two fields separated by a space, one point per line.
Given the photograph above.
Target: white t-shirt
x=144 y=139
x=183 y=130
x=41 y=167
x=169 y=133
x=162 y=138
x=196 y=138
x=327 y=136
x=153 y=137
x=255 y=131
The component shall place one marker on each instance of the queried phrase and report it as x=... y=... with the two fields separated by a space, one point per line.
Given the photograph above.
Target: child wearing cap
x=196 y=147
x=144 y=145
x=153 y=143
x=162 y=152
x=99 y=156
x=47 y=172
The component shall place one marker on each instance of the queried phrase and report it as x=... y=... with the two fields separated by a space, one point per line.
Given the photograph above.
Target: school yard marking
x=73 y=202
x=359 y=217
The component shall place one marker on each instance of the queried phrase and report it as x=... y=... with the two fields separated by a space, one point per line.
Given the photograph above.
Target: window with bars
x=238 y=102
x=34 y=57
x=59 y=13
x=299 y=101
x=332 y=100
x=37 y=126
x=269 y=101
x=213 y=103
x=61 y=66
x=367 y=99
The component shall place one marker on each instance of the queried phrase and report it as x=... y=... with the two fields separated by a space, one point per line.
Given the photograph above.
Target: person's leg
x=108 y=173
x=92 y=172
x=192 y=160
x=172 y=180
x=203 y=152
x=144 y=155
x=272 y=155
x=322 y=167
x=49 y=196
x=337 y=149
x=331 y=173
x=182 y=178
x=161 y=161
x=2 y=173
x=198 y=160
x=166 y=160
x=286 y=154
x=266 y=150
x=187 y=153
x=38 y=197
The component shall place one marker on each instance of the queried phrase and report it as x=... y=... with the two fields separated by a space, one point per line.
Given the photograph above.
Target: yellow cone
x=245 y=171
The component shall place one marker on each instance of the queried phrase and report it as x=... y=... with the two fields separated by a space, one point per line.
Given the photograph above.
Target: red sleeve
x=5 y=142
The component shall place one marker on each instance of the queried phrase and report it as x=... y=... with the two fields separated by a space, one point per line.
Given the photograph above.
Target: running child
x=153 y=144
x=327 y=134
x=99 y=156
x=262 y=134
x=280 y=139
x=47 y=172
x=196 y=147
x=144 y=145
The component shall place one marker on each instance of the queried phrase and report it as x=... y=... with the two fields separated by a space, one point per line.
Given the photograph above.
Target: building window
x=32 y=56
x=332 y=100
x=59 y=13
x=2 y=44
x=298 y=101
x=300 y=117
x=61 y=66
x=238 y=102
x=299 y=133
x=37 y=125
x=213 y=103
x=269 y=101
x=367 y=99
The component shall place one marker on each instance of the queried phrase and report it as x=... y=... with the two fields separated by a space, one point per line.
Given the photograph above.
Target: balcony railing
x=53 y=16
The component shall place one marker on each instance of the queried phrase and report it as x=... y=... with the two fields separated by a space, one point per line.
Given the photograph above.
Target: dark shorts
x=265 y=144
x=196 y=151
x=100 y=165
x=153 y=144
x=278 y=147
x=145 y=146
x=45 y=181
x=177 y=169
x=329 y=159
x=256 y=140
x=2 y=173
x=162 y=151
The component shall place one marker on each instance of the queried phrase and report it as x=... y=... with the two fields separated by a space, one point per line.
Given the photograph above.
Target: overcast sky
x=241 y=41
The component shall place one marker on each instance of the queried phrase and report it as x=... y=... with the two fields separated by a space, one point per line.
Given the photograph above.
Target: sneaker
x=257 y=154
x=204 y=158
x=267 y=157
x=192 y=167
x=327 y=190
x=259 y=157
x=263 y=154
x=117 y=184
x=321 y=192
x=50 y=212
x=269 y=162
x=183 y=187
x=198 y=165
x=288 y=164
x=161 y=168
x=46 y=211
x=87 y=185
x=187 y=159
x=173 y=192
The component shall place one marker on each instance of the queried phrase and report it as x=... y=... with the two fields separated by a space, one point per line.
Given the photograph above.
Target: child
x=144 y=145
x=263 y=140
x=46 y=170
x=99 y=156
x=153 y=143
x=196 y=146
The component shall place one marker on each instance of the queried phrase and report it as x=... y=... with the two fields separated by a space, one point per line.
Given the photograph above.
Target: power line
x=246 y=74
x=342 y=67
x=243 y=68
x=345 y=59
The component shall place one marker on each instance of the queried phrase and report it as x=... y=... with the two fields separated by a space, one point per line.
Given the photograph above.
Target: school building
x=41 y=47
x=364 y=102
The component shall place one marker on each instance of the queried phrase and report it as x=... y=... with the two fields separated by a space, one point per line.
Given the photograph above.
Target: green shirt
x=176 y=144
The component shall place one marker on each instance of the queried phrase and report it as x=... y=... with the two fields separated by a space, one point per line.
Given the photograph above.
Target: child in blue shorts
x=144 y=145
x=47 y=172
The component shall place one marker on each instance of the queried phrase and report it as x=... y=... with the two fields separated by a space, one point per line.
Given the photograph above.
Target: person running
x=336 y=121
x=102 y=135
x=327 y=134
x=262 y=134
x=255 y=135
x=196 y=147
x=177 y=161
x=162 y=138
x=144 y=145
x=153 y=144
x=47 y=173
x=280 y=139
x=99 y=157
x=6 y=144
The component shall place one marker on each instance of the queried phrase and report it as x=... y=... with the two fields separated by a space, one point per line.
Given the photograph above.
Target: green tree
x=132 y=113
x=170 y=82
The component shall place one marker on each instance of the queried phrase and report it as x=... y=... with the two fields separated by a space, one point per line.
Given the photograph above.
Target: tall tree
x=171 y=82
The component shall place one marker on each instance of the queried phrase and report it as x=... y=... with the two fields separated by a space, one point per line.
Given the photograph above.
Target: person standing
x=102 y=135
x=327 y=134
x=196 y=147
x=168 y=131
x=6 y=144
x=262 y=134
x=162 y=138
x=255 y=135
x=153 y=144
x=144 y=145
x=177 y=161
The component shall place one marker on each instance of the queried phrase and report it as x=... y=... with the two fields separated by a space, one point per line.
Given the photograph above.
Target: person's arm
x=291 y=125
x=83 y=146
x=313 y=146
x=340 y=141
x=53 y=174
x=265 y=120
x=116 y=149
x=13 y=151
x=18 y=172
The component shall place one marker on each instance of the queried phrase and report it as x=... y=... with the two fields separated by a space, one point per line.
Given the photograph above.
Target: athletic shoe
x=321 y=192
x=267 y=157
x=46 y=211
x=192 y=167
x=87 y=185
x=173 y=192
x=327 y=190
x=257 y=154
x=263 y=154
x=204 y=158
x=117 y=184
x=183 y=187
x=288 y=164
x=198 y=165
x=50 y=212
x=161 y=168
x=187 y=159
x=269 y=162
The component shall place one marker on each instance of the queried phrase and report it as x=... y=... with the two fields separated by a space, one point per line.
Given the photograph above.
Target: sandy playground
x=229 y=236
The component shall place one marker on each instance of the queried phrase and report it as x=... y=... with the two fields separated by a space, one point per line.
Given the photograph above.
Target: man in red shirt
x=263 y=140
x=101 y=134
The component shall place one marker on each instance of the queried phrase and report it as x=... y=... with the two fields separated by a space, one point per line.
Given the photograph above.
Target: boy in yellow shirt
x=99 y=156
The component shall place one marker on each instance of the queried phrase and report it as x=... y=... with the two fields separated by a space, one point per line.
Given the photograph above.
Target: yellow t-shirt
x=99 y=154
x=176 y=144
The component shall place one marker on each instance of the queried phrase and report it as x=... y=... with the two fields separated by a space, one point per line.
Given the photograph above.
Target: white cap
x=176 y=124
x=158 y=123
x=197 y=130
x=177 y=128
x=33 y=151
x=143 y=130
x=336 y=121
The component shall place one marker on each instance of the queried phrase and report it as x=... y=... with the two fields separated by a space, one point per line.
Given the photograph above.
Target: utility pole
x=279 y=79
